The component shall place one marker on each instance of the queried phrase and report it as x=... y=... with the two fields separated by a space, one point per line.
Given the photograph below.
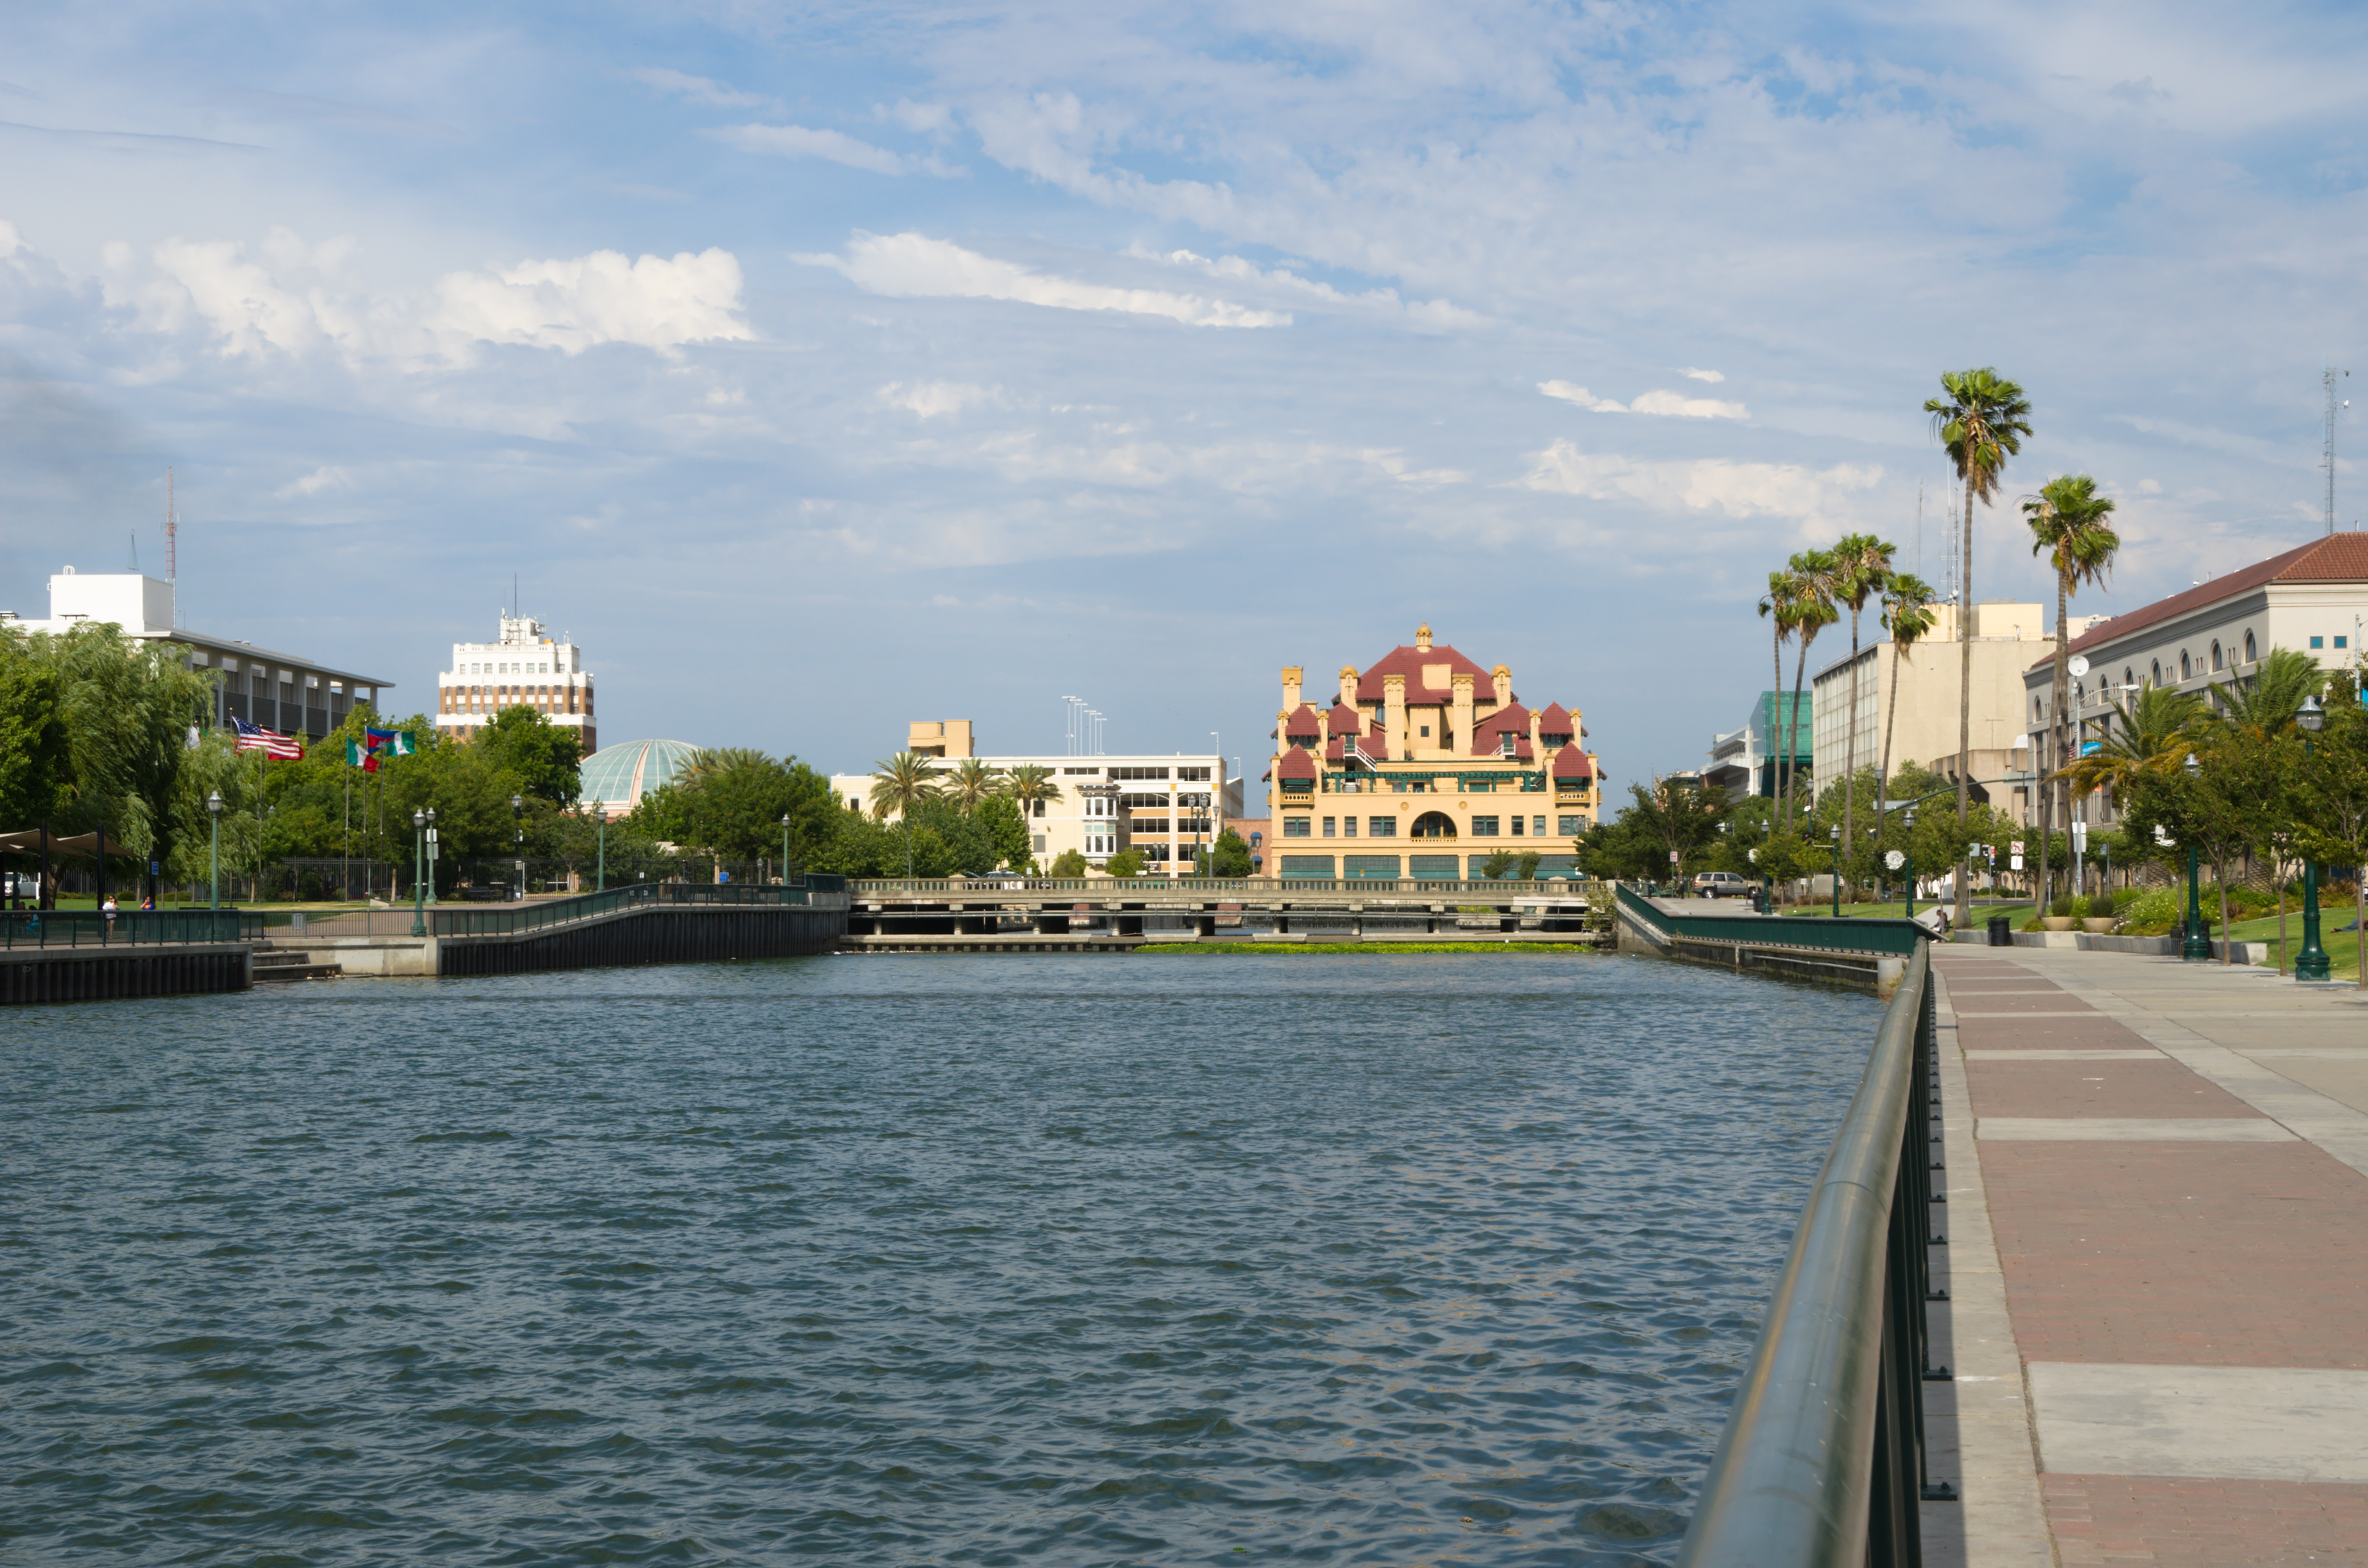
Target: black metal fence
x=1823 y=1460
x=130 y=928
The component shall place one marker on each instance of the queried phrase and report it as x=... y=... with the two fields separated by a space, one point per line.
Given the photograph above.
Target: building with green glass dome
x=616 y=777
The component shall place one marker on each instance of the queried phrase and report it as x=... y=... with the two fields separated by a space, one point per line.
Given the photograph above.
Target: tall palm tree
x=2267 y=701
x=1782 y=608
x=901 y=783
x=1031 y=782
x=972 y=781
x=2070 y=524
x=1814 y=611
x=1981 y=422
x=1861 y=569
x=2153 y=736
x=1908 y=616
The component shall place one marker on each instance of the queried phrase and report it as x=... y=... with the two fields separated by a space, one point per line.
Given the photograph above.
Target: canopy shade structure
x=81 y=846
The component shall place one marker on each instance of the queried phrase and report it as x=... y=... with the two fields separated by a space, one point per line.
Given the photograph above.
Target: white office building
x=285 y=692
x=525 y=668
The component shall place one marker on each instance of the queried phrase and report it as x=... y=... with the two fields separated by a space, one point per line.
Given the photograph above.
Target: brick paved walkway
x=2160 y=1172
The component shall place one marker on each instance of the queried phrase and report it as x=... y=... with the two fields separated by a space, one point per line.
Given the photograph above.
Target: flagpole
x=345 y=872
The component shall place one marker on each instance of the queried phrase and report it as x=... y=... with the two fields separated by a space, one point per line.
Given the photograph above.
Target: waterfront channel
x=866 y=1259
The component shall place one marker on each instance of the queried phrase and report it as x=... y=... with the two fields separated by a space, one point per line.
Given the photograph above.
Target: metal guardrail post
x=1822 y=1463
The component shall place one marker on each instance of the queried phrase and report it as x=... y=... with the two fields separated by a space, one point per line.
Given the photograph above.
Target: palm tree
x=1029 y=785
x=1781 y=608
x=900 y=784
x=972 y=781
x=2267 y=700
x=2153 y=737
x=1813 y=611
x=1861 y=569
x=2068 y=523
x=1908 y=616
x=1981 y=423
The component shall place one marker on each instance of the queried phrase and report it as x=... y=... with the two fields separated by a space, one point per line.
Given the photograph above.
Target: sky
x=821 y=367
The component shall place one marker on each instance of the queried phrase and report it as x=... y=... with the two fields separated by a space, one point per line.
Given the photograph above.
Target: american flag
x=271 y=743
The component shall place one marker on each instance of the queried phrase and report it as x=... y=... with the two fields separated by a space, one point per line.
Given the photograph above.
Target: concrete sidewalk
x=2157 y=1185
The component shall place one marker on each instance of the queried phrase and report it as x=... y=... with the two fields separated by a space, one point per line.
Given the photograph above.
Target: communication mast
x=2330 y=376
x=172 y=534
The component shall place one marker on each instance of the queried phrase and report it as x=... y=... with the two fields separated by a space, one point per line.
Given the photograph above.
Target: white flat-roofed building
x=1164 y=808
x=286 y=692
x=524 y=668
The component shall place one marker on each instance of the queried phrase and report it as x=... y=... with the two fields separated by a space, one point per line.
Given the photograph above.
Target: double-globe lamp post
x=1835 y=833
x=2196 y=948
x=214 y=852
x=2311 y=964
x=785 y=849
x=419 y=821
x=518 y=803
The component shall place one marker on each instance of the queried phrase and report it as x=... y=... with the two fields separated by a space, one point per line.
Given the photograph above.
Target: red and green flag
x=377 y=746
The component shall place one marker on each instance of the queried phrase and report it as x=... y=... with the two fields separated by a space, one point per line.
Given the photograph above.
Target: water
x=900 y=1260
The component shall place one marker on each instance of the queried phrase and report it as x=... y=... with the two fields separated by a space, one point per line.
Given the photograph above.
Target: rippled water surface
x=900 y=1260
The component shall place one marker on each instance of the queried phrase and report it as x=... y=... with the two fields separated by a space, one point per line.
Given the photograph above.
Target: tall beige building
x=525 y=669
x=2006 y=636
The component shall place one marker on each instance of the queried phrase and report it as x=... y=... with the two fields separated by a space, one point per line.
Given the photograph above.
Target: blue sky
x=818 y=368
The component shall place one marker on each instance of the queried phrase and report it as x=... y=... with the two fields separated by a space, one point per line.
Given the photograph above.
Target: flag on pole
x=357 y=758
x=270 y=743
x=392 y=742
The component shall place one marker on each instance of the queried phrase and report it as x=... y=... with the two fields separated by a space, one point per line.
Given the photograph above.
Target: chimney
x=1394 y=717
x=1348 y=685
x=1502 y=678
x=1463 y=711
x=1291 y=676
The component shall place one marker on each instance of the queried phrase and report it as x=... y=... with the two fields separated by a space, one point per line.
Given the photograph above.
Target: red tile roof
x=1555 y=720
x=1572 y=763
x=1409 y=662
x=1302 y=722
x=1292 y=764
x=1513 y=716
x=1346 y=720
x=2338 y=557
x=1369 y=746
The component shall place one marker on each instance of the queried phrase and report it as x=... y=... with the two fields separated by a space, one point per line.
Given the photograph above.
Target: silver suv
x=1721 y=884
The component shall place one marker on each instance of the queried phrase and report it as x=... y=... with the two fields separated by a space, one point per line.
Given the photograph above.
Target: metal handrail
x=1572 y=888
x=126 y=927
x=503 y=922
x=1822 y=1462
x=1851 y=933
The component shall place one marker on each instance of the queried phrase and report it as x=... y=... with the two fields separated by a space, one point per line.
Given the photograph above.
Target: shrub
x=1125 y=863
x=1067 y=863
x=2077 y=907
x=2158 y=912
x=2060 y=908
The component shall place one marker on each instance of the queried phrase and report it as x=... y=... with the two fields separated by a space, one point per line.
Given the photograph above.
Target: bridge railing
x=1225 y=888
x=1851 y=934
x=127 y=927
x=510 y=919
x=1823 y=1459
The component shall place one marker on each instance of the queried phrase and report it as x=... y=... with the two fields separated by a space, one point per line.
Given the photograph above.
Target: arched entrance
x=1434 y=824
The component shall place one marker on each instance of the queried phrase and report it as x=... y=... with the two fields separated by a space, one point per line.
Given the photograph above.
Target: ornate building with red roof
x=1425 y=764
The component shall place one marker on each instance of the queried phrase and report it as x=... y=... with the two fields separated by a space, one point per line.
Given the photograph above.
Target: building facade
x=525 y=668
x=1166 y=809
x=2313 y=599
x=1924 y=728
x=1745 y=761
x=1425 y=765
x=285 y=692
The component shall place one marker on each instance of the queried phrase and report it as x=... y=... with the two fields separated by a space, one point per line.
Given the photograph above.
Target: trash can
x=2001 y=931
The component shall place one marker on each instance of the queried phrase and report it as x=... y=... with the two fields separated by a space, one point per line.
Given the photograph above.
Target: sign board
x=2079 y=664
x=1894 y=859
x=1673 y=856
x=2079 y=838
x=2015 y=864
x=2090 y=748
x=2015 y=848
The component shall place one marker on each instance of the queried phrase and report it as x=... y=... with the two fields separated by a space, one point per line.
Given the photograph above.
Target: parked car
x=1721 y=884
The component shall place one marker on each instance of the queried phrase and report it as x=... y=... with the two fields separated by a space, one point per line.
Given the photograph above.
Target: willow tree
x=1981 y=421
x=2071 y=525
x=1861 y=568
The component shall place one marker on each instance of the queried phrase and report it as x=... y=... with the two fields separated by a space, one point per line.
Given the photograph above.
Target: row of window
x=501 y=667
x=1191 y=775
x=1297 y=826
x=1426 y=868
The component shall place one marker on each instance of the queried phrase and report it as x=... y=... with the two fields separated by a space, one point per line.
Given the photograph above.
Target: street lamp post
x=1836 y=833
x=600 y=835
x=214 y=852
x=2311 y=964
x=1907 y=856
x=518 y=803
x=2197 y=946
x=418 y=873
x=785 y=849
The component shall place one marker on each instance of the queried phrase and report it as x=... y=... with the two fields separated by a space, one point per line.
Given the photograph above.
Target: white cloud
x=1675 y=404
x=799 y=141
x=922 y=119
x=930 y=399
x=1736 y=489
x=911 y=266
x=697 y=89
x=321 y=481
x=1430 y=315
x=300 y=299
x=1703 y=375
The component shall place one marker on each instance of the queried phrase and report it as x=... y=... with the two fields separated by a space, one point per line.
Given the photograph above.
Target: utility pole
x=172 y=534
x=2329 y=377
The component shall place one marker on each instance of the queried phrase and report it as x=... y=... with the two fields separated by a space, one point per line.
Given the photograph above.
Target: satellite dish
x=2079 y=664
x=1894 y=859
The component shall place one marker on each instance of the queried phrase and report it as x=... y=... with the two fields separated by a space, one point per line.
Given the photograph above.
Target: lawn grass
x=1897 y=909
x=1392 y=949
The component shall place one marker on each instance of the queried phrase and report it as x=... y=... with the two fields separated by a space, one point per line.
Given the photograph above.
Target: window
x=2157 y=672
x=1478 y=786
x=1570 y=827
x=1330 y=828
x=2216 y=665
x=1517 y=827
x=2318 y=642
x=1426 y=731
x=1382 y=827
x=1039 y=808
x=1200 y=773
x=2340 y=641
x=1095 y=772
x=2129 y=679
x=1377 y=866
x=1538 y=827
x=2248 y=654
x=2186 y=666
x=1138 y=773
x=1308 y=865
x=1348 y=827
x=2037 y=711
x=1037 y=843
x=1484 y=827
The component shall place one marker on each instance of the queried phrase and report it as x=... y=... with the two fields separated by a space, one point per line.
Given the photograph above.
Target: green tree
x=1682 y=822
x=2330 y=802
x=1981 y=420
x=1782 y=610
x=971 y=781
x=1067 y=863
x=1006 y=829
x=733 y=799
x=36 y=749
x=1494 y=867
x=2071 y=525
x=1125 y=863
x=1231 y=857
x=546 y=758
x=1908 y=616
x=900 y=784
x=128 y=705
x=2223 y=806
x=1813 y=610
x=1862 y=570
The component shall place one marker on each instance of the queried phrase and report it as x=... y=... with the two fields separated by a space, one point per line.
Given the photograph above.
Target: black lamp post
x=785 y=849
x=2311 y=964
x=2197 y=947
x=1907 y=859
x=213 y=852
x=418 y=873
x=518 y=803
x=1835 y=833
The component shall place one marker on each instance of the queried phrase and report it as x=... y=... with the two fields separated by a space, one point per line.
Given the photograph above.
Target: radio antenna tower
x=2330 y=376
x=172 y=534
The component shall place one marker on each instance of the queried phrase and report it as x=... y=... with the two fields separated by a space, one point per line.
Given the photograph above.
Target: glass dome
x=616 y=777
